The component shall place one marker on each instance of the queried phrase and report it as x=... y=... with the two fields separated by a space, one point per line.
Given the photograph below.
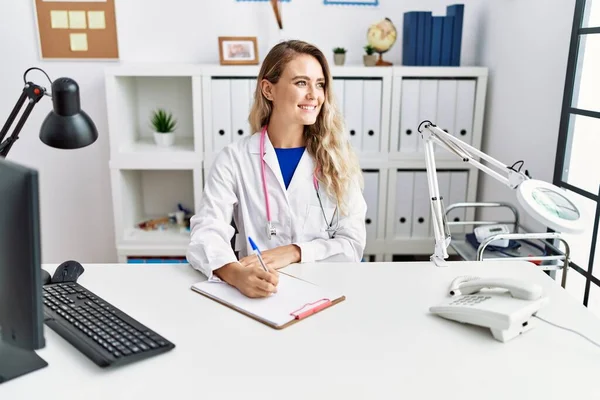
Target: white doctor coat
x=233 y=189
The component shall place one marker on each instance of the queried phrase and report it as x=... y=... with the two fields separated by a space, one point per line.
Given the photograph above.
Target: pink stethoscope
x=271 y=231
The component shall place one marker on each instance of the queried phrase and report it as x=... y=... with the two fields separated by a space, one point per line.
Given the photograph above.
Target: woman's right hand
x=251 y=282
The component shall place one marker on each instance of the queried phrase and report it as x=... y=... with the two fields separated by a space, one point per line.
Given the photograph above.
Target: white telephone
x=508 y=312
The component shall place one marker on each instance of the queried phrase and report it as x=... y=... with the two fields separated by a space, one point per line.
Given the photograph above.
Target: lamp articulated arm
x=432 y=134
x=31 y=93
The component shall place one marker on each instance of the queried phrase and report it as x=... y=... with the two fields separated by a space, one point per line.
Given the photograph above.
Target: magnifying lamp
x=545 y=202
x=67 y=126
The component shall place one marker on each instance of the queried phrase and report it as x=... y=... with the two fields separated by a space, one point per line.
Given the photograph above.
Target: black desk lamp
x=66 y=127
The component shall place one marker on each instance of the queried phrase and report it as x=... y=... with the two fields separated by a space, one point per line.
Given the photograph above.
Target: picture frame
x=238 y=50
x=373 y=3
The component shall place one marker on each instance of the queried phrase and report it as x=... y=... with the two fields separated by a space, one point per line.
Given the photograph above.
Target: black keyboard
x=106 y=335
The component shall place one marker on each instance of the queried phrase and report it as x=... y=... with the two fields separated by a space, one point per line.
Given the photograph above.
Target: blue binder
x=427 y=40
x=436 y=40
x=409 y=38
x=421 y=38
x=457 y=11
x=447 y=32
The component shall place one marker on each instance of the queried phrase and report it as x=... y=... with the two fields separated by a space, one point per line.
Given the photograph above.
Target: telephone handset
x=506 y=306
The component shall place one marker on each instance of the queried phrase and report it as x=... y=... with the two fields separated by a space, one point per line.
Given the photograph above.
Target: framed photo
x=238 y=50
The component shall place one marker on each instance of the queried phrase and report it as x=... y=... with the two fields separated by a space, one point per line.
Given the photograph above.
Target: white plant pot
x=339 y=58
x=370 y=60
x=164 y=139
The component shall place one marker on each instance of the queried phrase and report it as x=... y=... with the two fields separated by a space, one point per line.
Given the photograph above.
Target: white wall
x=527 y=63
x=525 y=44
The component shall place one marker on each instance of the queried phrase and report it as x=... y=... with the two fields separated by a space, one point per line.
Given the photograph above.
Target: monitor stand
x=15 y=362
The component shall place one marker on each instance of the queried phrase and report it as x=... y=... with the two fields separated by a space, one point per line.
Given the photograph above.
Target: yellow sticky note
x=79 y=42
x=96 y=20
x=59 y=19
x=77 y=20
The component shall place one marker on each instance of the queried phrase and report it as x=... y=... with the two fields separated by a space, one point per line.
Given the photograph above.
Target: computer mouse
x=45 y=277
x=68 y=271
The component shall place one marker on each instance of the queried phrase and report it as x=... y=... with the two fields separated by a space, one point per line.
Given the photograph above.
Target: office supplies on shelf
x=102 y=332
x=295 y=300
x=486 y=231
x=507 y=313
x=258 y=254
x=547 y=203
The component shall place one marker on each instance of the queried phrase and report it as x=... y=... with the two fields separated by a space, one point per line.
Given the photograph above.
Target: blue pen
x=258 y=254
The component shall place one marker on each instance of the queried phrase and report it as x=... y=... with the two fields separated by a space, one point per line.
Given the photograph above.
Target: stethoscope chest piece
x=271 y=231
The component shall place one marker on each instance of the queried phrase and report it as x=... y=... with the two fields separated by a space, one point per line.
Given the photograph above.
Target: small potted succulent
x=370 y=58
x=339 y=55
x=163 y=125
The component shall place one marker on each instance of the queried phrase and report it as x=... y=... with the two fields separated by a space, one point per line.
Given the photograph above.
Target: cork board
x=77 y=29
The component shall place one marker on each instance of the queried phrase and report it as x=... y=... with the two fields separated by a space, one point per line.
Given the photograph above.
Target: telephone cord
x=567 y=329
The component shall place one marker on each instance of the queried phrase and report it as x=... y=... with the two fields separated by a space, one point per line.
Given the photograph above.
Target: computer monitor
x=21 y=306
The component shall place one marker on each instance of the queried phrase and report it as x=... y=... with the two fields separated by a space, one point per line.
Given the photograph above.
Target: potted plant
x=370 y=59
x=163 y=125
x=339 y=55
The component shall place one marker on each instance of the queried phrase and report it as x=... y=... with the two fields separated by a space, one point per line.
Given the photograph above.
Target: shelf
x=182 y=145
x=142 y=195
x=211 y=103
x=169 y=236
x=134 y=98
x=145 y=154
x=436 y=72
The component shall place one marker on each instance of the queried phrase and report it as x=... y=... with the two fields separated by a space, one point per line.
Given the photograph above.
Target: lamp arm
x=432 y=134
x=32 y=92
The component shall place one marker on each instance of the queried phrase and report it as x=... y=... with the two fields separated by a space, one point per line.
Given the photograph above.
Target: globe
x=382 y=36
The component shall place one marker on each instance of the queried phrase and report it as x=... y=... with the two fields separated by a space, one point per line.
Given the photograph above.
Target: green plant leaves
x=163 y=121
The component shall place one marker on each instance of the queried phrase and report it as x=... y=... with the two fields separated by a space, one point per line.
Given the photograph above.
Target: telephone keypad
x=468 y=300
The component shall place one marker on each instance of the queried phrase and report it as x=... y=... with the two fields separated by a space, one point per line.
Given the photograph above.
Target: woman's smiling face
x=300 y=91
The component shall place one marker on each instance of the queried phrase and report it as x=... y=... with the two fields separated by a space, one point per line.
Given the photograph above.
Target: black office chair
x=232 y=241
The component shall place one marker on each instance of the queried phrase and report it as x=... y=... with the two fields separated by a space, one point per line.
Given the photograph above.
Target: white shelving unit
x=383 y=107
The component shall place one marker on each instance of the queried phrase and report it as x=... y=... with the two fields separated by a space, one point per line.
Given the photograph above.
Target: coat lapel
x=270 y=158
x=304 y=171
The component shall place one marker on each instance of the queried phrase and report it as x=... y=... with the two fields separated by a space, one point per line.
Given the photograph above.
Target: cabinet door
x=446 y=107
x=371 y=132
x=408 y=136
x=427 y=106
x=240 y=107
x=371 y=194
x=353 y=110
x=405 y=181
x=458 y=194
x=221 y=113
x=421 y=207
x=443 y=178
x=465 y=108
x=338 y=93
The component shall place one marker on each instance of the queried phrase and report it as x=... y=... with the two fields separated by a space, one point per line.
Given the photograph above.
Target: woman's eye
x=301 y=83
x=321 y=85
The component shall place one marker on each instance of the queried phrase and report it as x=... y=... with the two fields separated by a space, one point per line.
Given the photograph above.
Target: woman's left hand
x=276 y=258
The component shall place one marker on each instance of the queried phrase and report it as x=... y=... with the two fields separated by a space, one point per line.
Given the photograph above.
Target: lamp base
x=438 y=262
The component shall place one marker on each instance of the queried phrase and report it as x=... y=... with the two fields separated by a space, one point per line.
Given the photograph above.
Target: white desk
x=380 y=343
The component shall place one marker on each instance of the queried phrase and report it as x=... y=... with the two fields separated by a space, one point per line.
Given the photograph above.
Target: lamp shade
x=551 y=206
x=67 y=126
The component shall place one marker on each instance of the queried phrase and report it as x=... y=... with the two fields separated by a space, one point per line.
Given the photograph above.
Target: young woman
x=294 y=186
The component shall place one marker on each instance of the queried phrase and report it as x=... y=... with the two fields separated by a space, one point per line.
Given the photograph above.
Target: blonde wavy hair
x=326 y=140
